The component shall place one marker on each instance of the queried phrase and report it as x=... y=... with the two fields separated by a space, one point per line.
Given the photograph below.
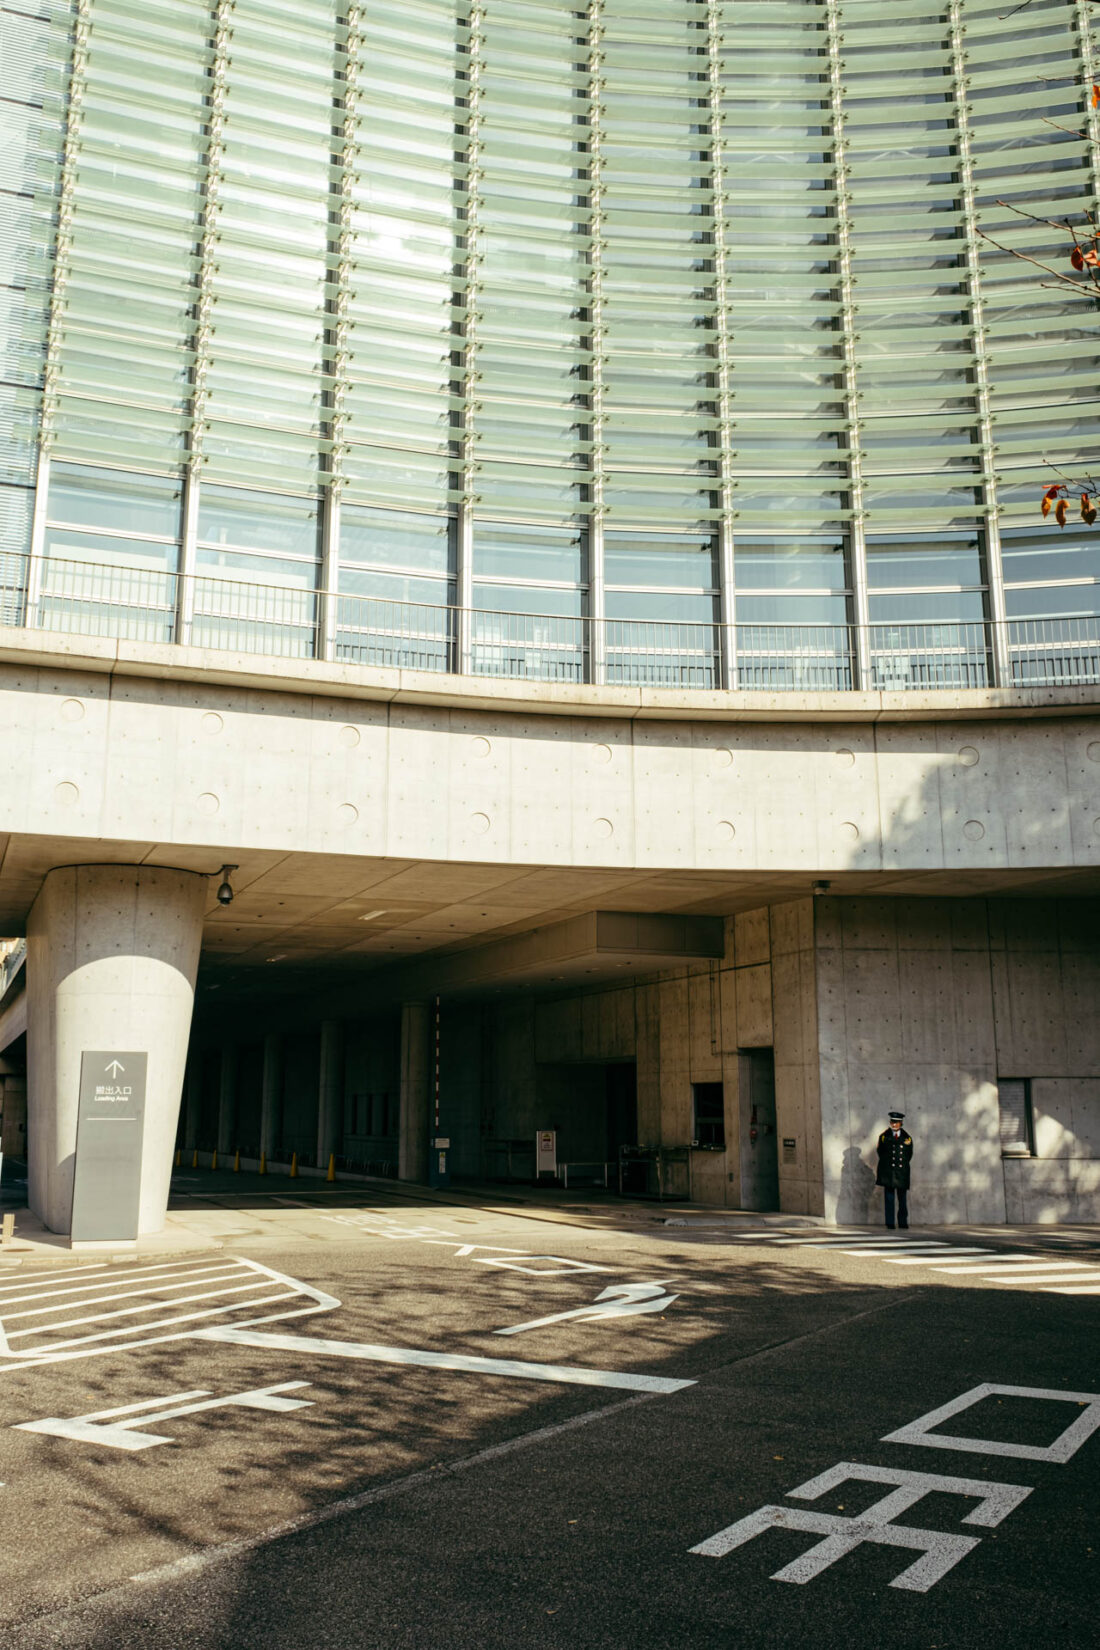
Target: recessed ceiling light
x=369 y=916
x=282 y=956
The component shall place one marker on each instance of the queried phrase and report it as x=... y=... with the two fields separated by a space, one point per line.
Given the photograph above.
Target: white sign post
x=546 y=1152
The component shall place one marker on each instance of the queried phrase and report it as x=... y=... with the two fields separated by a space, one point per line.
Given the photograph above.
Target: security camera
x=225 y=891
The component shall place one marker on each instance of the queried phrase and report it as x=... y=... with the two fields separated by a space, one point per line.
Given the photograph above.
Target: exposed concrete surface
x=112 y=956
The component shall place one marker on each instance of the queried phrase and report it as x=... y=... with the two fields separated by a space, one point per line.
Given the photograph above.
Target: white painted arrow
x=622 y=1300
x=115 y=1067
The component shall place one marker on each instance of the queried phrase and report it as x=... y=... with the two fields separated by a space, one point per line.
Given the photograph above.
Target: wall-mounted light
x=225 y=889
x=819 y=888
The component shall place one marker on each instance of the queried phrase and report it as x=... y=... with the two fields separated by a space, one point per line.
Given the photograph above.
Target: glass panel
x=234 y=515
x=396 y=538
x=116 y=499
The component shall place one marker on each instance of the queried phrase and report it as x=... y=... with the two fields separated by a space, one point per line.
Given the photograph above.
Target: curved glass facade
x=643 y=341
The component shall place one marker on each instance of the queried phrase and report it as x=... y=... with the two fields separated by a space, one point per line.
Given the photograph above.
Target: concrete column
x=330 y=1092
x=416 y=1091
x=227 y=1101
x=112 y=953
x=193 y=1113
x=272 y=1100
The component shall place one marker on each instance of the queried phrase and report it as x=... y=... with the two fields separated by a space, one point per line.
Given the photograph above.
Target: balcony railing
x=286 y=622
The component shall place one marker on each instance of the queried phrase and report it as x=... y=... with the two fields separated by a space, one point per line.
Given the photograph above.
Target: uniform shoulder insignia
x=908 y=1140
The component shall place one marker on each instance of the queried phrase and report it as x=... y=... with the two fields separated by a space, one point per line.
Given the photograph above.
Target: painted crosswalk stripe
x=924 y=1260
x=1073 y=1289
x=1008 y=1263
x=1044 y=1274
x=1019 y=1268
x=930 y=1250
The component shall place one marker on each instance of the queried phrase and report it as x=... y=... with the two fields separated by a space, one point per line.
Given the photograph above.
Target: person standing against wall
x=895 y=1150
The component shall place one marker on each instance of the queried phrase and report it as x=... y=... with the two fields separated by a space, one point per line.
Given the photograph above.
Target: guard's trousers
x=902 y=1196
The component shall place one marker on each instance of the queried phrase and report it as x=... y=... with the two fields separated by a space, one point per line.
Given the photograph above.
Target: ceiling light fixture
x=281 y=957
x=369 y=916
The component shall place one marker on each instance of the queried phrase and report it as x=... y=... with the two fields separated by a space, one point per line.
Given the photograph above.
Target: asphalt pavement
x=444 y=1426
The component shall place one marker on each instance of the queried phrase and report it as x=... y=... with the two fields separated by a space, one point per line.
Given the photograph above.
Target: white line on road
x=50 y=1295
x=128 y=1311
x=1078 y=1289
x=1045 y=1274
x=926 y=1260
x=570 y=1374
x=932 y=1250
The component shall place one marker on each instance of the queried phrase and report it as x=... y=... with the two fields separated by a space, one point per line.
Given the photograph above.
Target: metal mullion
x=1001 y=667
x=200 y=344
x=597 y=605
x=336 y=350
x=727 y=598
x=468 y=333
x=62 y=270
x=857 y=535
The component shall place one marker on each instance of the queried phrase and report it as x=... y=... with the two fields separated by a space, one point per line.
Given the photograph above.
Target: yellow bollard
x=195 y=1158
x=179 y=1156
x=237 y=1162
x=331 y=1166
x=263 y=1162
x=294 y=1166
x=214 y=1158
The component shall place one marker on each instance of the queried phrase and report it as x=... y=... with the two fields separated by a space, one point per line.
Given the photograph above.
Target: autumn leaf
x=1060 y=512
x=1048 y=499
x=1088 y=510
x=1096 y=97
x=1077 y=258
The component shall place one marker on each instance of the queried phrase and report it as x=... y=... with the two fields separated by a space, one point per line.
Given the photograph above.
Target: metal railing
x=147 y=604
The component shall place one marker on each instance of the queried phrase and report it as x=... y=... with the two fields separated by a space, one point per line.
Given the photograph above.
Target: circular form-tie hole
x=968 y=756
x=973 y=830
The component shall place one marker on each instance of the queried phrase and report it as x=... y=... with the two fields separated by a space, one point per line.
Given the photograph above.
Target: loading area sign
x=109 y=1130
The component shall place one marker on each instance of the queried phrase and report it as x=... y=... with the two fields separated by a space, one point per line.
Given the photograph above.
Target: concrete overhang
x=597 y=945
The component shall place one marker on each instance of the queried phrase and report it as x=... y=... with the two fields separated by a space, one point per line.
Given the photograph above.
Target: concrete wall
x=579 y=779
x=922 y=1005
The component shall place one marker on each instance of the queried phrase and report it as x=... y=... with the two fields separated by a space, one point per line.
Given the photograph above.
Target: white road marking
x=1066 y=1444
x=103 y=1427
x=1080 y=1289
x=932 y=1250
x=1009 y=1265
x=1043 y=1278
x=52 y=1295
x=620 y=1301
x=925 y=1260
x=569 y=1374
x=261 y=1296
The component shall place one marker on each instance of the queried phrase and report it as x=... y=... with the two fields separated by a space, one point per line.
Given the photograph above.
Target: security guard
x=895 y=1149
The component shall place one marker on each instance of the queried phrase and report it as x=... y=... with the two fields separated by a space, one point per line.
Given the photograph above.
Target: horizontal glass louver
x=656 y=268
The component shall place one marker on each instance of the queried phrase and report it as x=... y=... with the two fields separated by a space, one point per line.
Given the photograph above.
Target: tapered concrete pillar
x=271 y=1100
x=416 y=1090
x=227 y=1101
x=330 y=1092
x=112 y=952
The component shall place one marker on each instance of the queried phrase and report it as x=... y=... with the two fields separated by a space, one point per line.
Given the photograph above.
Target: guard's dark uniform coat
x=894 y=1153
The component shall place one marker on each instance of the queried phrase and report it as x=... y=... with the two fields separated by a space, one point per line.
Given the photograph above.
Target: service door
x=759 y=1144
